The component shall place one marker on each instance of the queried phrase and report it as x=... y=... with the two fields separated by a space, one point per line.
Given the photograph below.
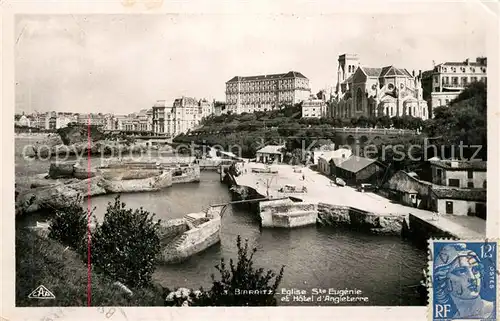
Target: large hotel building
x=266 y=92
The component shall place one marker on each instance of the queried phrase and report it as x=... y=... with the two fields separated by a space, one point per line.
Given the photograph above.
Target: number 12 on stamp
x=463 y=280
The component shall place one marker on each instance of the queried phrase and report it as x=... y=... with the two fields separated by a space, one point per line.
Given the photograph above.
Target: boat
x=192 y=234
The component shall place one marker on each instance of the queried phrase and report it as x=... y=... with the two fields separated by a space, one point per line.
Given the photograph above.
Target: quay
x=320 y=191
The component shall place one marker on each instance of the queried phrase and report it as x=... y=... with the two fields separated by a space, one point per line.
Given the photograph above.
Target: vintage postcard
x=316 y=155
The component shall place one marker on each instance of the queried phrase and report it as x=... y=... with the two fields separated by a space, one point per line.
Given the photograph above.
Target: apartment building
x=314 y=108
x=447 y=80
x=183 y=115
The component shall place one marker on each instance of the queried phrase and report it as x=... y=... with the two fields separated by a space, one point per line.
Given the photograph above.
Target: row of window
x=445 y=80
x=268 y=89
x=464 y=69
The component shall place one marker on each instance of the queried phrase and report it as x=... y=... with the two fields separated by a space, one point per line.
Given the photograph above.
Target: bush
x=240 y=277
x=69 y=226
x=126 y=245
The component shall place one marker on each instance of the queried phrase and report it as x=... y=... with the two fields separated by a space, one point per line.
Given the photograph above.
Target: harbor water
x=385 y=269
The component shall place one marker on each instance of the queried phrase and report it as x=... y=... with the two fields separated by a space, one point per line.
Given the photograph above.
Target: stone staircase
x=178 y=241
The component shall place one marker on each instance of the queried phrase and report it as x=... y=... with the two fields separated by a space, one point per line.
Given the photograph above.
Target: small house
x=327 y=157
x=459 y=201
x=355 y=169
x=270 y=153
x=410 y=198
x=461 y=174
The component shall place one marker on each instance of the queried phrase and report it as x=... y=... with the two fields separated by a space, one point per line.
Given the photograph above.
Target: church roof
x=387 y=71
x=394 y=71
x=371 y=72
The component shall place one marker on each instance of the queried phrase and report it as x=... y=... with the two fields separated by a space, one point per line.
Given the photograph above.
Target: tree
x=236 y=278
x=126 y=245
x=463 y=121
x=70 y=223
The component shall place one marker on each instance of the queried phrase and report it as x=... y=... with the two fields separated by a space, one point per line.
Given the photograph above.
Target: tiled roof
x=371 y=72
x=387 y=71
x=271 y=149
x=476 y=194
x=186 y=101
x=460 y=165
x=290 y=74
x=355 y=163
x=393 y=71
x=336 y=154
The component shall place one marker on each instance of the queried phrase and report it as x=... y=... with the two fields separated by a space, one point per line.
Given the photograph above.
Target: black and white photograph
x=246 y=159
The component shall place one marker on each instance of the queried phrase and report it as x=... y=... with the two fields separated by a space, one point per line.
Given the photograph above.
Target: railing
x=454 y=85
x=384 y=131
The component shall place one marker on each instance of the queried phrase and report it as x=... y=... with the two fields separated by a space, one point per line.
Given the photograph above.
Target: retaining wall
x=192 y=241
x=286 y=213
x=420 y=231
x=334 y=215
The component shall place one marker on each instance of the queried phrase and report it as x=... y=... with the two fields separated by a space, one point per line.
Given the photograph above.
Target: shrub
x=69 y=226
x=126 y=245
x=240 y=277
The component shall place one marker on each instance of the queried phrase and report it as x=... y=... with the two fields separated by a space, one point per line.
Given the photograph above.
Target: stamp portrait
x=464 y=280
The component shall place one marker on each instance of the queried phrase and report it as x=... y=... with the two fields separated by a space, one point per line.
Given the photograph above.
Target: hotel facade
x=447 y=80
x=266 y=92
x=183 y=115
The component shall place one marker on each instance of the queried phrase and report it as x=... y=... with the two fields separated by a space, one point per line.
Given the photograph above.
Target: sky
x=123 y=63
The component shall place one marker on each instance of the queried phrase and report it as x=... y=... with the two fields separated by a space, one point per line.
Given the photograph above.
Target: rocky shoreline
x=67 y=180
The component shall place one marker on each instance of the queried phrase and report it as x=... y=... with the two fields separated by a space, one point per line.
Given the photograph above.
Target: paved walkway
x=321 y=190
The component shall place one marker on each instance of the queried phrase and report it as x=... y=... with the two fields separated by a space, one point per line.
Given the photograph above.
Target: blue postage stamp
x=463 y=280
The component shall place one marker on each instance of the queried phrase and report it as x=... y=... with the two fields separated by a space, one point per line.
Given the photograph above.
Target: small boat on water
x=192 y=234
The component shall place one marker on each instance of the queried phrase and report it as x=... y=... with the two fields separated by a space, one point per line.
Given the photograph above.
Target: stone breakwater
x=54 y=190
x=292 y=212
x=335 y=215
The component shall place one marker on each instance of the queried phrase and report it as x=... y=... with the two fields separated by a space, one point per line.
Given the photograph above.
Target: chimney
x=413 y=73
x=420 y=73
x=467 y=61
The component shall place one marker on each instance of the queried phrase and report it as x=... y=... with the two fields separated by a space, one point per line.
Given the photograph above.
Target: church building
x=374 y=92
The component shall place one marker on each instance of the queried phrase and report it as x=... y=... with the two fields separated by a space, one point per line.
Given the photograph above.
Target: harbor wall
x=186 y=174
x=192 y=241
x=420 y=231
x=335 y=215
x=287 y=213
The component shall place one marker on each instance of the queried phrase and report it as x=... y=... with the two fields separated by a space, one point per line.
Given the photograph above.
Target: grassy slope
x=45 y=262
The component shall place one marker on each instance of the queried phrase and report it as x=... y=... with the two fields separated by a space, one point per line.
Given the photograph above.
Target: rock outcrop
x=62 y=170
x=57 y=195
